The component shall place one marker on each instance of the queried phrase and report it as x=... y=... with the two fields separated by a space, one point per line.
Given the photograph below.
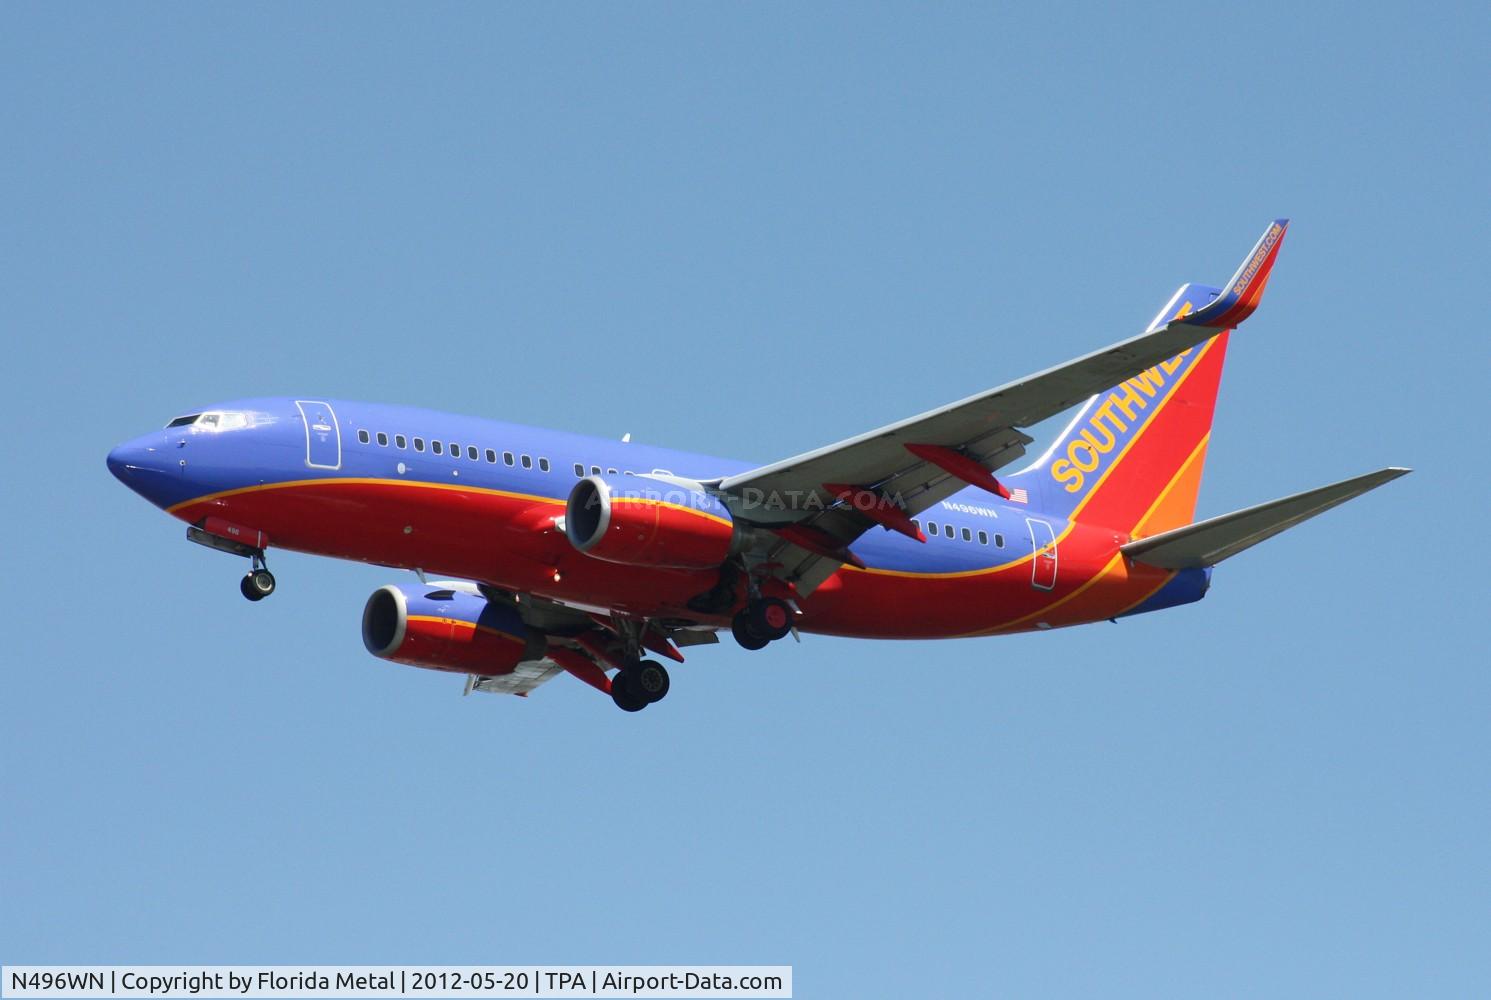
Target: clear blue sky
x=750 y=230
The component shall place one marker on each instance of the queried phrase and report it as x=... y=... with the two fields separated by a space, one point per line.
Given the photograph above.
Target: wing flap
x=1208 y=542
x=524 y=678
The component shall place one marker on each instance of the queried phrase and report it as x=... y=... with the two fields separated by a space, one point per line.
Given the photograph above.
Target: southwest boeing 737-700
x=582 y=555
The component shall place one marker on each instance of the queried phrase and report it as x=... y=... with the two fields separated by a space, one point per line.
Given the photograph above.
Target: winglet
x=1241 y=295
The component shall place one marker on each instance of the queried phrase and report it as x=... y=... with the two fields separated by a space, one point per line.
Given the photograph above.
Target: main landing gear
x=639 y=684
x=258 y=582
x=761 y=622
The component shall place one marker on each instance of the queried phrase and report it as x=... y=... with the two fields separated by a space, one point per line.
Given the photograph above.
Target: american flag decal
x=1017 y=495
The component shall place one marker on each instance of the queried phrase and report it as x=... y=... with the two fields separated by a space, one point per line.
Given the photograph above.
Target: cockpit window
x=217 y=420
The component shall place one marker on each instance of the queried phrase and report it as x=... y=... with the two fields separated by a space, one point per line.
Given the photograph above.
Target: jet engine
x=640 y=521
x=447 y=629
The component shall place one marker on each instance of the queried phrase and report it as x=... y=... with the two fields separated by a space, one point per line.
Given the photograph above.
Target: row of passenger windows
x=949 y=531
x=526 y=461
x=473 y=453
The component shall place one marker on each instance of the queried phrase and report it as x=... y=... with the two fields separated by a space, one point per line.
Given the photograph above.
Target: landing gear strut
x=763 y=621
x=258 y=582
x=639 y=684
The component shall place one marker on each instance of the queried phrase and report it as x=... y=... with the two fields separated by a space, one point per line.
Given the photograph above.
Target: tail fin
x=1131 y=459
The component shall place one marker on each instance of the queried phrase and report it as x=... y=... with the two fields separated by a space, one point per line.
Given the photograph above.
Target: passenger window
x=967 y=535
x=435 y=446
x=595 y=470
x=983 y=538
x=491 y=457
x=527 y=462
x=998 y=540
x=419 y=444
x=507 y=458
x=579 y=471
x=931 y=527
x=543 y=465
x=472 y=453
x=363 y=437
x=398 y=440
x=382 y=440
x=610 y=472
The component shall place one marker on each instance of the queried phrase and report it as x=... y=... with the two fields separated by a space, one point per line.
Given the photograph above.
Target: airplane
x=588 y=556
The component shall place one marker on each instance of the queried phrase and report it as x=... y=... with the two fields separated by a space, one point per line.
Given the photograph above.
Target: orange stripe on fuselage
x=358 y=481
x=1043 y=615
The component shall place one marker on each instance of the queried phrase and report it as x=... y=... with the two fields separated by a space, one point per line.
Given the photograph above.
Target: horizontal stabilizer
x=1208 y=542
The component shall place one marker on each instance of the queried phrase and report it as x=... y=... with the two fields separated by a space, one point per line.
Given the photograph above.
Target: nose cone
x=119 y=461
x=145 y=467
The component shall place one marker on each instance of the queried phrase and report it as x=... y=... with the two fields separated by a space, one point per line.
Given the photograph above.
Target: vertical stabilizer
x=1132 y=457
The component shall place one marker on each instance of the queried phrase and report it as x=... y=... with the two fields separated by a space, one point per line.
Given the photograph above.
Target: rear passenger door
x=1043 y=546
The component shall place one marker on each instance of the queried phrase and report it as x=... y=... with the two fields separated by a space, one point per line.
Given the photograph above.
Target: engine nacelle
x=443 y=629
x=647 y=522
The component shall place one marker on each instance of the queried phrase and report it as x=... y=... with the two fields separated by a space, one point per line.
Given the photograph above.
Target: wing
x=817 y=503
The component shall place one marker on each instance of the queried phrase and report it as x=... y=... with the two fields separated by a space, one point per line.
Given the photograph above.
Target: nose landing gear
x=258 y=582
x=215 y=533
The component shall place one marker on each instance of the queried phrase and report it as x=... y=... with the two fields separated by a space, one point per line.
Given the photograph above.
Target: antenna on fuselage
x=626 y=438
